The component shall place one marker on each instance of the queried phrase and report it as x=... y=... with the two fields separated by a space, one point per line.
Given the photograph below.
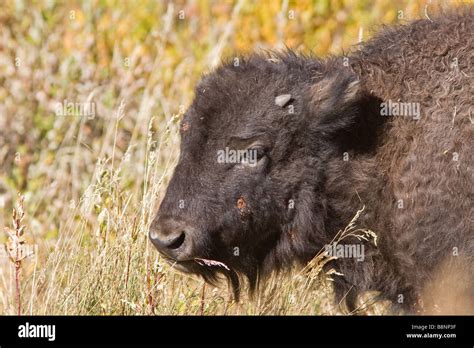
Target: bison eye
x=252 y=150
x=259 y=152
x=253 y=156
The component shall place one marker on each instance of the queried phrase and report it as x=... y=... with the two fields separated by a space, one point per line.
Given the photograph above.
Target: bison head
x=247 y=195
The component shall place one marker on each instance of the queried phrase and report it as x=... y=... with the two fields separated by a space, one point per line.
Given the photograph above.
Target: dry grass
x=92 y=185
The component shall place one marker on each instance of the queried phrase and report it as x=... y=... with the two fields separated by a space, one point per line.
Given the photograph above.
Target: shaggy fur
x=330 y=152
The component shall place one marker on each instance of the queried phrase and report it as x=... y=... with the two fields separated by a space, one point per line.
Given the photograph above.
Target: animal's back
x=426 y=70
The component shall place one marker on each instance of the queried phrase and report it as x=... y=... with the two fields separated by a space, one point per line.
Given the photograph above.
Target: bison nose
x=171 y=237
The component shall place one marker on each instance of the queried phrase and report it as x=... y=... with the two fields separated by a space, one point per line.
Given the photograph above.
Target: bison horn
x=282 y=100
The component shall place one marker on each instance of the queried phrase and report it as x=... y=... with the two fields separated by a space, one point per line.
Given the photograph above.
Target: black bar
x=289 y=330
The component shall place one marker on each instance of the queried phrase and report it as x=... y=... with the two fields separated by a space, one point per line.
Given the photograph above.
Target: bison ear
x=334 y=100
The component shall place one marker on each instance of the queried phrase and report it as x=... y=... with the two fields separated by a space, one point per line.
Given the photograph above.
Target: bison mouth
x=208 y=269
x=189 y=266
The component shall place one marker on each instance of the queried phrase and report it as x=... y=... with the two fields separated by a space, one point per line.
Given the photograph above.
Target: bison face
x=246 y=195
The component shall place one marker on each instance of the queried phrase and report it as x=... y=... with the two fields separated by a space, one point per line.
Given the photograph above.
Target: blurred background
x=93 y=180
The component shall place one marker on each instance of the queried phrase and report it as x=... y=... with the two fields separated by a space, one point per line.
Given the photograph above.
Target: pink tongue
x=206 y=262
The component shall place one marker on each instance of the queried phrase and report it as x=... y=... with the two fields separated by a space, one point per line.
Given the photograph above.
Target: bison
x=279 y=150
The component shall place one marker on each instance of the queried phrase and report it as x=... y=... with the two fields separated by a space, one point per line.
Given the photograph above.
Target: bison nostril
x=171 y=237
x=177 y=242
